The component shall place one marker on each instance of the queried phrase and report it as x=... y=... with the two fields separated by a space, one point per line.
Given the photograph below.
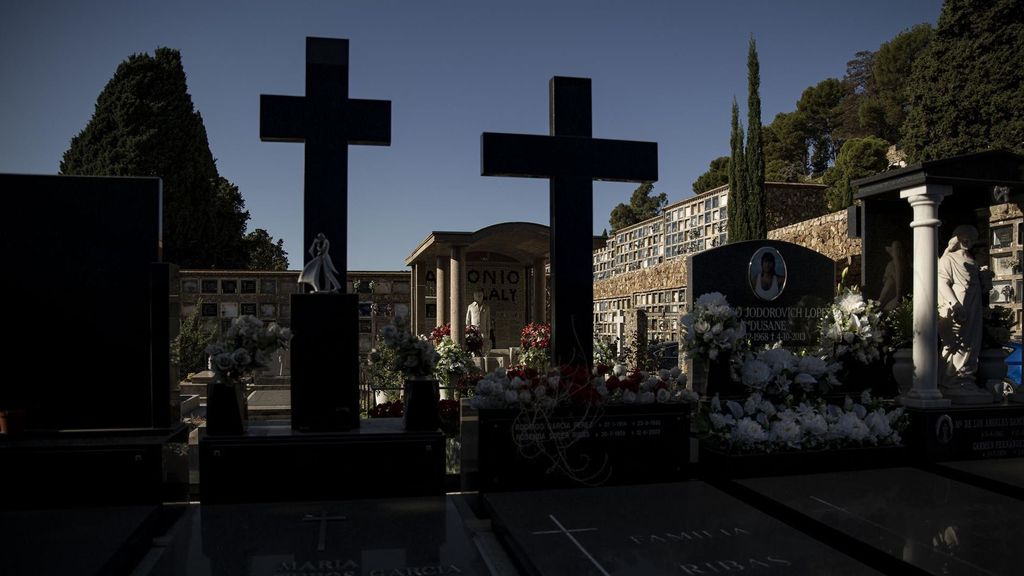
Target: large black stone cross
x=327 y=121
x=572 y=160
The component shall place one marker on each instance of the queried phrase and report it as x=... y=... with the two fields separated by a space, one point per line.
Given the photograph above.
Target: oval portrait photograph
x=767 y=273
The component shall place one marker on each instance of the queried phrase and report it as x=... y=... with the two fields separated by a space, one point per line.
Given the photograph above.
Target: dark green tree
x=642 y=205
x=785 y=148
x=859 y=157
x=756 y=199
x=188 y=349
x=717 y=175
x=822 y=112
x=737 y=226
x=264 y=253
x=882 y=114
x=966 y=93
x=145 y=124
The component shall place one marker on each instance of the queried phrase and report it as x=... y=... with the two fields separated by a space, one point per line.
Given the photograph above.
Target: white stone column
x=539 y=290
x=441 y=293
x=456 y=312
x=925 y=202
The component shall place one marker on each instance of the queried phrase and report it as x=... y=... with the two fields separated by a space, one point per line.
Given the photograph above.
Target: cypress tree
x=145 y=124
x=757 y=227
x=737 y=226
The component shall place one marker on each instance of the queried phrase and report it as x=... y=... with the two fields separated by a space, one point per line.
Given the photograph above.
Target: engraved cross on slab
x=327 y=120
x=571 y=159
x=323 y=519
x=569 y=533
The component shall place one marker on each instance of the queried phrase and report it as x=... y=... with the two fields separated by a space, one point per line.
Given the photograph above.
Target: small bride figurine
x=320 y=272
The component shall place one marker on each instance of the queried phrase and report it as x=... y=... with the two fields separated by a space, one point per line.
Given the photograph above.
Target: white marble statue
x=320 y=271
x=960 y=316
x=479 y=314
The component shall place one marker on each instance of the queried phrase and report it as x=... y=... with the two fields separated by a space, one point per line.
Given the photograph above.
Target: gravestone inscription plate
x=683 y=529
x=970 y=432
x=781 y=290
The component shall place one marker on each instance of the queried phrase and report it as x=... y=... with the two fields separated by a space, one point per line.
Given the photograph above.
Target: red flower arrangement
x=474 y=339
x=388 y=410
x=438 y=334
x=536 y=335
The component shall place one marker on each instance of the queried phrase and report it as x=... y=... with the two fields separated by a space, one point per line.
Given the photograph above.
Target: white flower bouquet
x=759 y=425
x=853 y=331
x=413 y=356
x=712 y=328
x=528 y=388
x=246 y=346
x=777 y=373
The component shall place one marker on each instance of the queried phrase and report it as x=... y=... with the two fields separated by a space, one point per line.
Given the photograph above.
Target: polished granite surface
x=1009 y=471
x=407 y=536
x=683 y=529
x=934 y=523
x=70 y=541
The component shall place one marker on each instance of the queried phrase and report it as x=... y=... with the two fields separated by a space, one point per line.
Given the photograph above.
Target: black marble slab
x=410 y=536
x=74 y=541
x=682 y=529
x=932 y=523
x=88 y=468
x=277 y=463
x=1003 y=475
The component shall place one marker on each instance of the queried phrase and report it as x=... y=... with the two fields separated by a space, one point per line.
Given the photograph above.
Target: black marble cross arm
x=536 y=156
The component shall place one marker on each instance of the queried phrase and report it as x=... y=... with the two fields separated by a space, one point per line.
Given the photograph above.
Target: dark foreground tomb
x=679 y=529
x=412 y=536
x=92 y=292
x=931 y=523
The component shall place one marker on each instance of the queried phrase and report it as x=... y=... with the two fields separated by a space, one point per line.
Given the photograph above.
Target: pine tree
x=756 y=200
x=737 y=226
x=145 y=124
x=965 y=92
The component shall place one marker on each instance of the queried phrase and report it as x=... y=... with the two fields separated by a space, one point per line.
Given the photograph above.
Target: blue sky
x=663 y=71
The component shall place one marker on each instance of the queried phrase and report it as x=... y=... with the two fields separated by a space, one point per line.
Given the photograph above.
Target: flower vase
x=712 y=377
x=226 y=412
x=421 y=400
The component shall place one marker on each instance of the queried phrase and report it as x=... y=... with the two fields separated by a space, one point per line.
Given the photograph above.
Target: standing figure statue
x=479 y=314
x=320 y=272
x=960 y=318
x=892 y=279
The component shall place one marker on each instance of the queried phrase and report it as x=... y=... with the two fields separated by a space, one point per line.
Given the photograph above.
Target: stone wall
x=826 y=234
x=663 y=276
x=793 y=203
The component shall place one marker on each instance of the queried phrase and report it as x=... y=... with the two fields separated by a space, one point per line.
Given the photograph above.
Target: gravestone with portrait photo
x=780 y=290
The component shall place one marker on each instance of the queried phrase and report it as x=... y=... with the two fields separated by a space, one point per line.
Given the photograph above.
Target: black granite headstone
x=931 y=523
x=327 y=121
x=962 y=433
x=86 y=295
x=571 y=159
x=683 y=529
x=786 y=308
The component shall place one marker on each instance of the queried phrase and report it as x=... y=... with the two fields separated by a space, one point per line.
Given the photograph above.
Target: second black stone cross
x=571 y=159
